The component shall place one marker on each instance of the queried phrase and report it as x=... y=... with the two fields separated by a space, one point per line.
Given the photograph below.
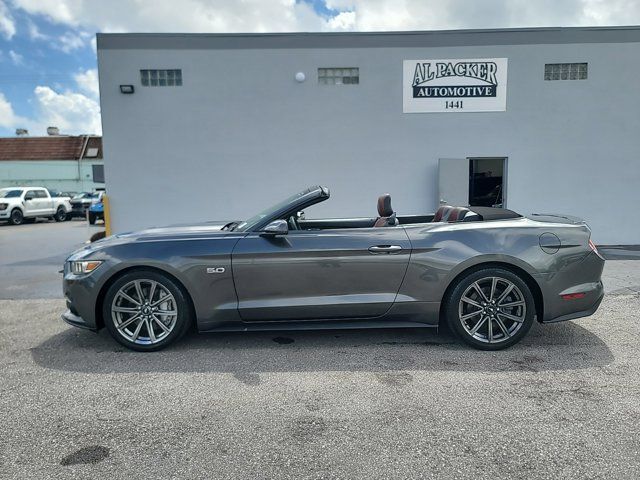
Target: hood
x=181 y=232
x=173 y=231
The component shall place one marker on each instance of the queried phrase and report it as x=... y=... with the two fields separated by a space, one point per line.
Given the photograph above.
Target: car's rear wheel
x=61 y=215
x=490 y=308
x=146 y=310
x=16 y=217
x=92 y=218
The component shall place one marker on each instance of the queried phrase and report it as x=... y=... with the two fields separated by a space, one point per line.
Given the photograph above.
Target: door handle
x=385 y=249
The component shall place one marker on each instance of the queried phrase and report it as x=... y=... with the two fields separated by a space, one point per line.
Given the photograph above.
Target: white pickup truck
x=23 y=204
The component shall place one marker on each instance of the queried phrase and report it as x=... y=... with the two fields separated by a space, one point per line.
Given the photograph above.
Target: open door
x=453 y=181
x=487 y=182
x=472 y=181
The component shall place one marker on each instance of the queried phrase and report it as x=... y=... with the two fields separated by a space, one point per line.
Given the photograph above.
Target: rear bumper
x=580 y=282
x=579 y=314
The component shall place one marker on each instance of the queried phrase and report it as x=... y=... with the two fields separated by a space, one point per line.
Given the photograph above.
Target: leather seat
x=447 y=213
x=442 y=213
x=457 y=214
x=387 y=217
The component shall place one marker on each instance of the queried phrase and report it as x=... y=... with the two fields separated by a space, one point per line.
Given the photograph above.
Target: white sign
x=455 y=85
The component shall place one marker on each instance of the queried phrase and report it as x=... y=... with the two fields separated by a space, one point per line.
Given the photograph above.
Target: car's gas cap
x=549 y=243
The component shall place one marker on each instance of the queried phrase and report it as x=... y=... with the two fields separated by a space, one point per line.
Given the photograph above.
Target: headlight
x=3 y=206
x=89 y=266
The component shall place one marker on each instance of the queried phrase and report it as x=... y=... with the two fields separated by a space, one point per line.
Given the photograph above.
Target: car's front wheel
x=490 y=308
x=16 y=217
x=146 y=310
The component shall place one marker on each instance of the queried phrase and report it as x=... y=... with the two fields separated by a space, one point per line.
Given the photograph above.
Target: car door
x=31 y=205
x=45 y=203
x=321 y=274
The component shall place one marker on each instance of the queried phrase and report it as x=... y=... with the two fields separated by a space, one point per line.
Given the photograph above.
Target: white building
x=218 y=126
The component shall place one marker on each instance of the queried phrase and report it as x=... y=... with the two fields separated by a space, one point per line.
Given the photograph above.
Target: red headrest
x=441 y=213
x=457 y=214
x=384 y=205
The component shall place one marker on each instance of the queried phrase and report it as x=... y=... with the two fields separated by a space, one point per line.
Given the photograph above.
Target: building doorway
x=477 y=181
x=486 y=181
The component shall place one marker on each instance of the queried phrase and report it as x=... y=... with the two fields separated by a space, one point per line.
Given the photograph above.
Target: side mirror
x=277 y=227
x=28 y=197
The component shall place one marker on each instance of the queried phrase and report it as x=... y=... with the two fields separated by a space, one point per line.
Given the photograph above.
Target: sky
x=48 y=72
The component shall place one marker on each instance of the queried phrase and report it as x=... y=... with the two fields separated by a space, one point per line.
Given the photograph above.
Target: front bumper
x=76 y=320
x=79 y=210
x=80 y=293
x=5 y=214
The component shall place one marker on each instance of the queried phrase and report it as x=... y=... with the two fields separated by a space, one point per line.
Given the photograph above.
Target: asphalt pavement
x=32 y=255
x=564 y=403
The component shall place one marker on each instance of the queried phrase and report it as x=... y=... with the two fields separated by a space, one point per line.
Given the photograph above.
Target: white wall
x=241 y=134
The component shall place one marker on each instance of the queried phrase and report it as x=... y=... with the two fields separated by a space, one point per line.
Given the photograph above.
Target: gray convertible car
x=489 y=273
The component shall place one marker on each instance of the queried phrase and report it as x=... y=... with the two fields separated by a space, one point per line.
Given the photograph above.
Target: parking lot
x=563 y=403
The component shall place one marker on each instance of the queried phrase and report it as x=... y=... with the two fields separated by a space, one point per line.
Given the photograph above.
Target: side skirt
x=319 y=325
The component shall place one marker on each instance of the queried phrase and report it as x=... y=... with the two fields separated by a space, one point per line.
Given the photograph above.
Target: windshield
x=86 y=195
x=10 y=193
x=256 y=219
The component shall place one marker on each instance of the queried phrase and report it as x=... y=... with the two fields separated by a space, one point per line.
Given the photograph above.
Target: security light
x=126 y=89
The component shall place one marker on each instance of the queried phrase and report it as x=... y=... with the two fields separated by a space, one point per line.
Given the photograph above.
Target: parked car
x=25 y=204
x=58 y=193
x=96 y=211
x=82 y=201
x=487 y=272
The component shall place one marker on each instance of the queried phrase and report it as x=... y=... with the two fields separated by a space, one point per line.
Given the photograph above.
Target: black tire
x=16 y=218
x=182 y=305
x=61 y=215
x=455 y=308
x=92 y=218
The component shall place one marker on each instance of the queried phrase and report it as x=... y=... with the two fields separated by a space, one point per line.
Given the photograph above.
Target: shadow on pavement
x=565 y=346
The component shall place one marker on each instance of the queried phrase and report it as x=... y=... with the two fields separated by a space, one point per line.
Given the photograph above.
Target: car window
x=31 y=193
x=41 y=194
x=10 y=193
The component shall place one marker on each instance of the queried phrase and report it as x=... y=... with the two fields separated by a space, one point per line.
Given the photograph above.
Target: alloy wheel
x=16 y=217
x=61 y=215
x=492 y=310
x=144 y=311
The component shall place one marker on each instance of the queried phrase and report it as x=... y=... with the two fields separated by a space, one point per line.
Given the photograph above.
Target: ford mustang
x=488 y=273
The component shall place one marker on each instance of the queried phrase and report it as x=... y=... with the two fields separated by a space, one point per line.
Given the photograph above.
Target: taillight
x=573 y=296
x=594 y=249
